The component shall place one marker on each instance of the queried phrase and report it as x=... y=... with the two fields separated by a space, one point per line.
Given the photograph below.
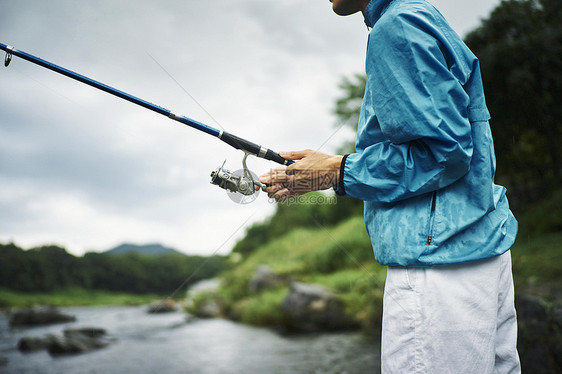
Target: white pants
x=450 y=319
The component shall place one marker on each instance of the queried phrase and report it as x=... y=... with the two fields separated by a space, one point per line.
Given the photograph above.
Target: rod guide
x=8 y=57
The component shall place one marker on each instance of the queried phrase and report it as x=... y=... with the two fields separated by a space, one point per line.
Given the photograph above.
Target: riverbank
x=339 y=259
x=72 y=297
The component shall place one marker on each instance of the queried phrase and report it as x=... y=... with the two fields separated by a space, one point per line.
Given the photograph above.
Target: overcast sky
x=88 y=171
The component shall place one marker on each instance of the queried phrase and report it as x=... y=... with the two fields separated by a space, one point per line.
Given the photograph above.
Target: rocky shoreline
x=305 y=308
x=313 y=308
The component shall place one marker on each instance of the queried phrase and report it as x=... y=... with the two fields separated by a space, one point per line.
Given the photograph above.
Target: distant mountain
x=147 y=249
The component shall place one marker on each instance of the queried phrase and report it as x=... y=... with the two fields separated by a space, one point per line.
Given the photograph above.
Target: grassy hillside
x=341 y=259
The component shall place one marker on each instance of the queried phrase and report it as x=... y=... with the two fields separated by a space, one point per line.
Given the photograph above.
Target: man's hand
x=312 y=171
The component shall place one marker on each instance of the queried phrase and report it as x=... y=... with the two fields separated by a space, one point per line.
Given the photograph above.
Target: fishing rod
x=244 y=184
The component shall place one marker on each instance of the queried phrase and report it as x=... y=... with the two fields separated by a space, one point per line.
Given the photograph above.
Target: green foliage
x=536 y=260
x=306 y=250
x=51 y=268
x=348 y=106
x=263 y=309
x=346 y=245
x=339 y=257
x=197 y=304
x=315 y=209
x=519 y=47
x=40 y=269
x=543 y=217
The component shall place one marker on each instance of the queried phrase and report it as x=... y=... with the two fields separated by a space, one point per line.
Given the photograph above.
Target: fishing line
x=184 y=90
x=186 y=281
x=49 y=88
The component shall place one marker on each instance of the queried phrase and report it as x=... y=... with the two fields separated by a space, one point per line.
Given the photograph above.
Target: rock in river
x=78 y=341
x=39 y=315
x=35 y=343
x=73 y=341
x=163 y=306
x=310 y=307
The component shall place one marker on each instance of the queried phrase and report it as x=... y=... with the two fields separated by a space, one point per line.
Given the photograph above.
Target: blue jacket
x=424 y=161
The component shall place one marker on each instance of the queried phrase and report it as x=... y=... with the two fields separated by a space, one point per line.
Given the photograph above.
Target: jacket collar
x=374 y=11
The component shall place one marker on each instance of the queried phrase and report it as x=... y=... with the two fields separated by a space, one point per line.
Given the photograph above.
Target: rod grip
x=253 y=148
x=239 y=143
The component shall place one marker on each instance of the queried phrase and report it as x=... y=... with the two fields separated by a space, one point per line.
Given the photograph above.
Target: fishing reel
x=240 y=181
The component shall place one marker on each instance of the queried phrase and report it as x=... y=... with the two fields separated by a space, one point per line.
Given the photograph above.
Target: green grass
x=340 y=258
x=537 y=260
x=72 y=297
x=263 y=309
x=304 y=251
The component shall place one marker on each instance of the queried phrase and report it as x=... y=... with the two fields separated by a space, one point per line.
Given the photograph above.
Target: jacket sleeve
x=421 y=109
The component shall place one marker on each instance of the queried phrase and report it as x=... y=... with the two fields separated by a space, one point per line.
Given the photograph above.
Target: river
x=173 y=343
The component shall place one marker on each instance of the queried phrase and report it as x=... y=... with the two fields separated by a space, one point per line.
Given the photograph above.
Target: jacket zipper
x=431 y=219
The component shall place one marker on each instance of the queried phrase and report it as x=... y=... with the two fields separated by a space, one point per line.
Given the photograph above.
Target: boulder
x=212 y=306
x=39 y=315
x=163 y=306
x=35 y=343
x=78 y=341
x=202 y=300
x=89 y=332
x=73 y=341
x=539 y=340
x=310 y=308
x=264 y=278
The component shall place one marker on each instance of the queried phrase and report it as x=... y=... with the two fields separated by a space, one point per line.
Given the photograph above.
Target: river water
x=173 y=343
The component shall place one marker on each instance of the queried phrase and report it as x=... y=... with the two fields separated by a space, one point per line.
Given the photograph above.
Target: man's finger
x=295 y=155
x=281 y=195
x=273 y=176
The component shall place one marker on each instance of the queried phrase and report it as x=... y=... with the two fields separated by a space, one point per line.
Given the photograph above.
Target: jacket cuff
x=340 y=187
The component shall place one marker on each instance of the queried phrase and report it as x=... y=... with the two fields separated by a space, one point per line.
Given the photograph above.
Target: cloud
x=87 y=170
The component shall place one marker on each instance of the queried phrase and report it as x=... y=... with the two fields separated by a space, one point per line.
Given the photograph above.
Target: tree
x=348 y=106
x=52 y=268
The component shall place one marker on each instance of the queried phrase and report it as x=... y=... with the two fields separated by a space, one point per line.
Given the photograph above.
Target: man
x=424 y=165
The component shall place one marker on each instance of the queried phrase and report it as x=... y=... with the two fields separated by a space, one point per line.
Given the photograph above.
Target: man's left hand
x=312 y=171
